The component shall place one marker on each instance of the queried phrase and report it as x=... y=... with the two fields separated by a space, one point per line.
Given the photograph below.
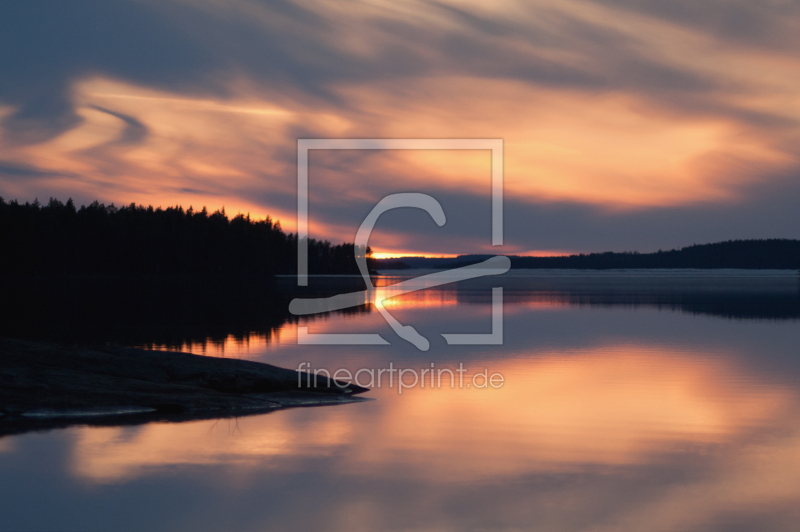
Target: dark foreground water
x=637 y=401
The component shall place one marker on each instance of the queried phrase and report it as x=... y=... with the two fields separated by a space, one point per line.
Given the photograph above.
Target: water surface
x=659 y=401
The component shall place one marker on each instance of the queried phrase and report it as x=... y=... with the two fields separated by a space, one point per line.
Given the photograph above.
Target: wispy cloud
x=612 y=111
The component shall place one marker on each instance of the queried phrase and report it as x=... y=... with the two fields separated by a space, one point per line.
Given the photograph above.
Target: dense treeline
x=777 y=254
x=60 y=239
x=773 y=254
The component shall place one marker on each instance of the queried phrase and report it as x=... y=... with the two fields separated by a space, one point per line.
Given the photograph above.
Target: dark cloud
x=769 y=24
x=198 y=191
x=48 y=45
x=134 y=131
x=765 y=211
x=18 y=172
x=590 y=228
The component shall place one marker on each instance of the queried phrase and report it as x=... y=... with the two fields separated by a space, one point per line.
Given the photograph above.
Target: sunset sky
x=627 y=124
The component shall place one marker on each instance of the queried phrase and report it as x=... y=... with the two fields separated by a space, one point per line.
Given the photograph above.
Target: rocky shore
x=44 y=385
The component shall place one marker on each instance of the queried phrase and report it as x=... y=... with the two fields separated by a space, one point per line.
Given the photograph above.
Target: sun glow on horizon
x=407 y=254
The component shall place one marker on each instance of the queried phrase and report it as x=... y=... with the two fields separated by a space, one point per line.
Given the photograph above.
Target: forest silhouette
x=139 y=275
x=59 y=239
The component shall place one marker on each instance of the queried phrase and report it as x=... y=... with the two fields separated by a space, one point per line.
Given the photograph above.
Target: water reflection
x=727 y=294
x=622 y=410
x=251 y=345
x=218 y=315
x=6 y=445
x=620 y=405
x=119 y=454
x=627 y=439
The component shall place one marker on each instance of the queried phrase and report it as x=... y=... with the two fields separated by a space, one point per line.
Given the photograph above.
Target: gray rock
x=44 y=384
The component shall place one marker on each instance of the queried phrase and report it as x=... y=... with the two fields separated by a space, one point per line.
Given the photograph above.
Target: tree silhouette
x=60 y=239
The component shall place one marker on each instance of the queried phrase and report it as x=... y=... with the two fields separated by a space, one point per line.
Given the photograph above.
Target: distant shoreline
x=771 y=254
x=609 y=272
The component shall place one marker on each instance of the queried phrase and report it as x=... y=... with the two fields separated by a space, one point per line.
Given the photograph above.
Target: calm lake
x=630 y=401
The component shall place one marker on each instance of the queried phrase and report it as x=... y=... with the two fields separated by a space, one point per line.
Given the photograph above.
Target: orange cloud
x=699 y=120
